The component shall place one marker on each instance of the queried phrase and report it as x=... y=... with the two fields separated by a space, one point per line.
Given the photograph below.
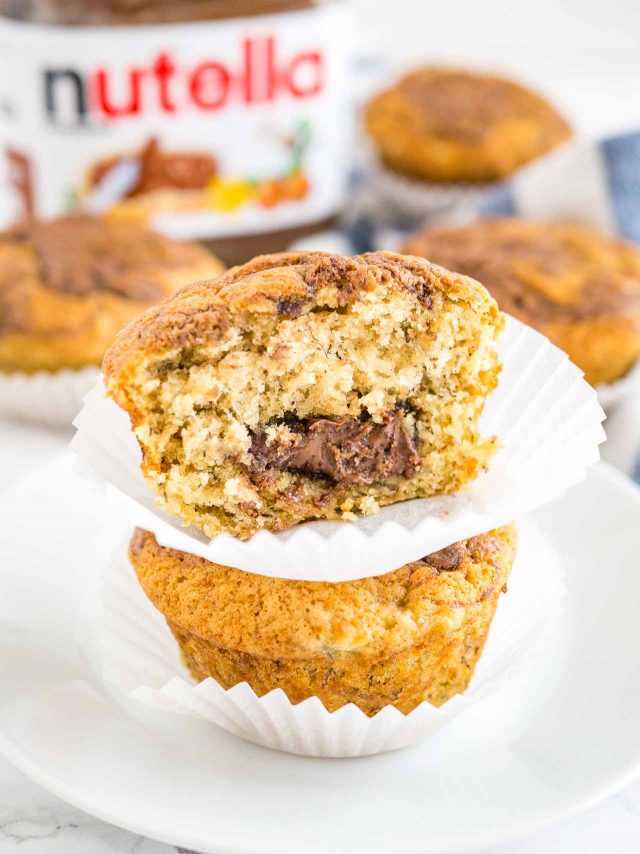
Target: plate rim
x=54 y=784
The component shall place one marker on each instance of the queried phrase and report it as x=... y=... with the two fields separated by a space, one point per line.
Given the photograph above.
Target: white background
x=585 y=55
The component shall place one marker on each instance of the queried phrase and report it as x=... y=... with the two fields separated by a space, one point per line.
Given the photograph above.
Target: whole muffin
x=309 y=385
x=446 y=125
x=579 y=287
x=67 y=286
x=409 y=636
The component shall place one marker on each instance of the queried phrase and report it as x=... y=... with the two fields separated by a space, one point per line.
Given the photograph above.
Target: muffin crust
x=579 y=287
x=447 y=125
x=411 y=635
x=68 y=285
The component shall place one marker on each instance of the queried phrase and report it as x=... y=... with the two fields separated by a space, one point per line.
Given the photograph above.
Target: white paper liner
x=128 y=640
x=424 y=201
x=546 y=417
x=611 y=394
x=50 y=399
x=389 y=196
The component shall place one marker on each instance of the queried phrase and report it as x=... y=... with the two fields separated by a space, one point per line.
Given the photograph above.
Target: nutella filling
x=447 y=559
x=343 y=450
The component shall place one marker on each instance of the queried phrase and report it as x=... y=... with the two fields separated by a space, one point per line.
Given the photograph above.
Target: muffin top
x=81 y=255
x=447 y=125
x=540 y=272
x=82 y=277
x=275 y=617
x=286 y=285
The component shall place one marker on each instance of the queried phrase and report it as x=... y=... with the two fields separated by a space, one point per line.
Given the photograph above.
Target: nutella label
x=203 y=130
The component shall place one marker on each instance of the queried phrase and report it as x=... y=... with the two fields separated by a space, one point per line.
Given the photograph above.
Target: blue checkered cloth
x=595 y=182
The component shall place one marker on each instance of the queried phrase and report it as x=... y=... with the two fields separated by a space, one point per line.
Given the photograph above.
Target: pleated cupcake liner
x=49 y=399
x=425 y=202
x=548 y=423
x=391 y=197
x=129 y=643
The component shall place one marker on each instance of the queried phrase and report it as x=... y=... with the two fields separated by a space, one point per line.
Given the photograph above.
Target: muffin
x=67 y=286
x=412 y=635
x=577 y=286
x=309 y=386
x=447 y=126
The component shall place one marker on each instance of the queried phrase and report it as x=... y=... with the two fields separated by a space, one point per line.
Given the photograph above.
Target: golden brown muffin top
x=81 y=256
x=471 y=110
x=540 y=271
x=275 y=617
x=462 y=105
x=287 y=285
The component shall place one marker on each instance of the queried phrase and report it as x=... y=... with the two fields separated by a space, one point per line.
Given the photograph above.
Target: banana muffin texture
x=447 y=125
x=67 y=286
x=579 y=287
x=304 y=386
x=412 y=635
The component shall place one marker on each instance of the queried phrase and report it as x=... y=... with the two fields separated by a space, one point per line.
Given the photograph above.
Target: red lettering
x=272 y=74
x=248 y=69
x=261 y=74
x=305 y=75
x=209 y=85
x=130 y=106
x=164 y=69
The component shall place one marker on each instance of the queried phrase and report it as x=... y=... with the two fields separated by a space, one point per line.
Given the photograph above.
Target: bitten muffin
x=310 y=385
x=409 y=636
x=577 y=286
x=447 y=125
x=67 y=286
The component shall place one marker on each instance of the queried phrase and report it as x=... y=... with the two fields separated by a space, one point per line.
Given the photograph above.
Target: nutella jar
x=216 y=120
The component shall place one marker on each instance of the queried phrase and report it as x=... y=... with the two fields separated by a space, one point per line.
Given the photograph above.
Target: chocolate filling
x=447 y=559
x=343 y=450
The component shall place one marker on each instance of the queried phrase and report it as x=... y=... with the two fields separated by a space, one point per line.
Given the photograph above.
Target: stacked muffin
x=314 y=386
x=402 y=638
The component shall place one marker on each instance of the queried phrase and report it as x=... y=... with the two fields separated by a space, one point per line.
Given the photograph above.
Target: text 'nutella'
x=216 y=130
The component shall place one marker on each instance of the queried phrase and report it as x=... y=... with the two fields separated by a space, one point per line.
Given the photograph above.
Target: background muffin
x=67 y=286
x=411 y=635
x=309 y=385
x=577 y=286
x=445 y=125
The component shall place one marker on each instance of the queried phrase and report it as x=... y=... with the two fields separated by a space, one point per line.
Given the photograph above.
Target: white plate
x=570 y=739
